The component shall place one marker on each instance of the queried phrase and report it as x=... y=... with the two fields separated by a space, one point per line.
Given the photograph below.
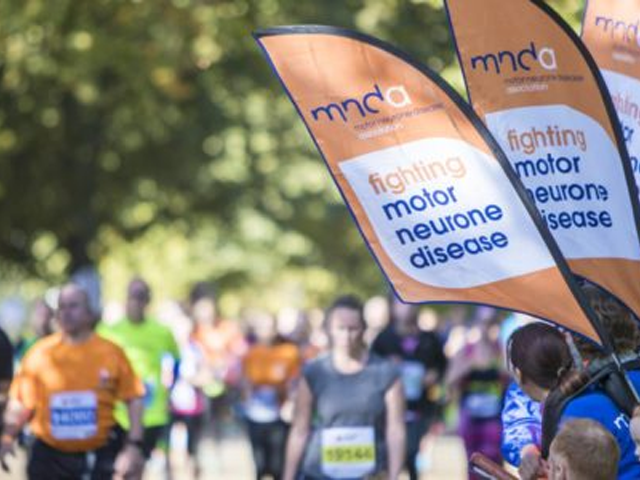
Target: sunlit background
x=151 y=138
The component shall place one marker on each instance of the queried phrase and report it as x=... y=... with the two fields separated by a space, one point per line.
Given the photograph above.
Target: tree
x=121 y=116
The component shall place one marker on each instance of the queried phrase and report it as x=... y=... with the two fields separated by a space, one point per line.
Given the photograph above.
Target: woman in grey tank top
x=349 y=418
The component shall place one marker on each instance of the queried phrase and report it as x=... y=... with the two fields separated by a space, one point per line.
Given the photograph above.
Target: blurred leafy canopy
x=152 y=137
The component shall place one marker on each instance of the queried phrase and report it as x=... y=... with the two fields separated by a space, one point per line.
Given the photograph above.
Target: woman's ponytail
x=570 y=382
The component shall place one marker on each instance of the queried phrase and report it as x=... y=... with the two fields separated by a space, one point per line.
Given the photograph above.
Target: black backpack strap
x=617 y=388
x=552 y=413
x=605 y=377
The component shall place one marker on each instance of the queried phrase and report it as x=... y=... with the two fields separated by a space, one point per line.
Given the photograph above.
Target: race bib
x=348 y=452
x=74 y=415
x=184 y=397
x=263 y=405
x=413 y=379
x=483 y=405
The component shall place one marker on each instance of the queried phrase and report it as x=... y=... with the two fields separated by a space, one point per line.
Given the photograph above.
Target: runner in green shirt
x=153 y=353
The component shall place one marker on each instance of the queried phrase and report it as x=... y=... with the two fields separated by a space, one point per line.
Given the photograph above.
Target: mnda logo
x=396 y=96
x=522 y=60
x=625 y=31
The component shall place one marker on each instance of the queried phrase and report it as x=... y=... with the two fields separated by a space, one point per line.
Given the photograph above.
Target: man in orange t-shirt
x=66 y=389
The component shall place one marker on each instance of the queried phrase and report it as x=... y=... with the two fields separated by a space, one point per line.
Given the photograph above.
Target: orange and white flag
x=429 y=188
x=537 y=88
x=611 y=31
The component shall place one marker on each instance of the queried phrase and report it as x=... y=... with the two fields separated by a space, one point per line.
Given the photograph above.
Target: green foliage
x=152 y=137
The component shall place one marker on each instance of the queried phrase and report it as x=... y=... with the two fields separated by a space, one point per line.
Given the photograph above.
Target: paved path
x=231 y=460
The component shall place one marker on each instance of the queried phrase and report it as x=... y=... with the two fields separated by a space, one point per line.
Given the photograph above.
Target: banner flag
x=542 y=97
x=429 y=188
x=611 y=31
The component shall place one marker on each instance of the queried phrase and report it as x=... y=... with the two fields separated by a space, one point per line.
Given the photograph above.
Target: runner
x=66 y=388
x=153 y=353
x=349 y=416
x=270 y=368
x=42 y=324
x=302 y=336
x=6 y=371
x=188 y=401
x=423 y=364
x=476 y=373
x=223 y=344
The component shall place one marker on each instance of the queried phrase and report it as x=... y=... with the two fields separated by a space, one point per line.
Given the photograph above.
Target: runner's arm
x=130 y=460
x=135 y=409
x=16 y=416
x=395 y=429
x=299 y=433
